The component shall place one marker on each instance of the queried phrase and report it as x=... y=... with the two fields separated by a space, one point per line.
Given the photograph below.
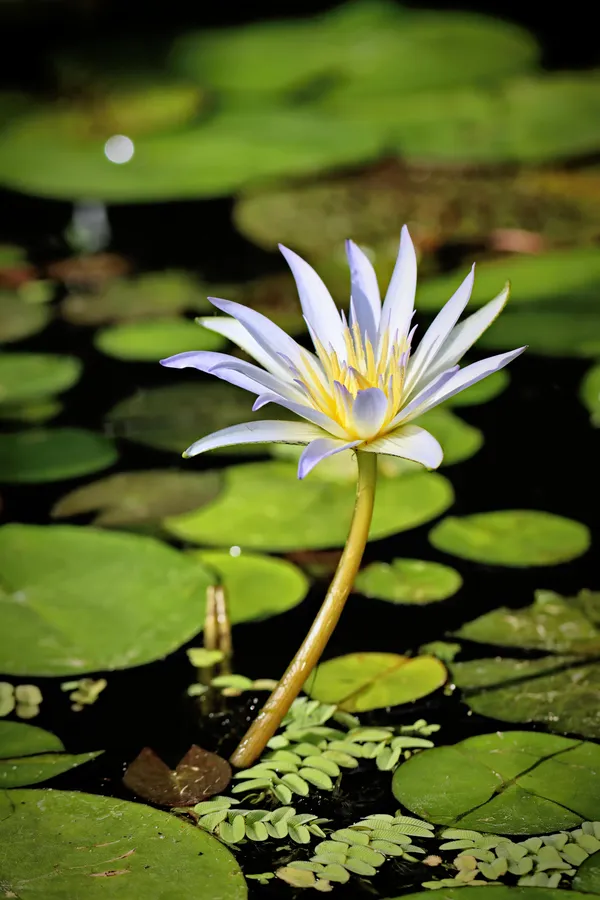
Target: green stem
x=269 y=718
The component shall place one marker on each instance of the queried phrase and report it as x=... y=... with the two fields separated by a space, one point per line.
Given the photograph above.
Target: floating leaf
x=408 y=581
x=32 y=457
x=547 y=332
x=513 y=782
x=79 y=844
x=31 y=376
x=198 y=776
x=264 y=506
x=19 y=319
x=256 y=586
x=501 y=892
x=143 y=599
x=590 y=394
x=148 y=296
x=519 y=537
x=34 y=411
x=459 y=440
x=361 y=681
x=587 y=877
x=172 y=417
x=140 y=498
x=152 y=340
x=29 y=755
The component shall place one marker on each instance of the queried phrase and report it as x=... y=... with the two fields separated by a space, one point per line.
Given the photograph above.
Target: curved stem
x=269 y=718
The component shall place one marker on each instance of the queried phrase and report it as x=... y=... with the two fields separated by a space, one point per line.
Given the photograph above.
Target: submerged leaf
x=408 y=581
x=199 y=775
x=36 y=456
x=29 y=755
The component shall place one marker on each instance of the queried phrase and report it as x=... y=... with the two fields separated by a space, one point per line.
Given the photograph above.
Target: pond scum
x=445 y=736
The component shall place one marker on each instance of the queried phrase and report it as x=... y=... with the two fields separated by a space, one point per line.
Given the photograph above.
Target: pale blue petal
x=369 y=411
x=262 y=432
x=232 y=369
x=206 y=360
x=318 y=450
x=235 y=332
x=301 y=409
x=437 y=333
x=317 y=303
x=414 y=408
x=399 y=303
x=409 y=442
x=366 y=301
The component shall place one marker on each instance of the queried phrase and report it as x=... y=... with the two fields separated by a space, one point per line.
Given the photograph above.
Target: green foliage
x=34 y=376
x=520 y=537
x=19 y=319
x=79 y=843
x=236 y=825
x=29 y=755
x=480 y=891
x=40 y=455
x=24 y=699
x=589 y=393
x=410 y=581
x=155 y=339
x=506 y=783
x=587 y=878
x=303 y=515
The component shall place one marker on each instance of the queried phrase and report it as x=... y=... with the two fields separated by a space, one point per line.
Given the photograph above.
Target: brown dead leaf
x=199 y=775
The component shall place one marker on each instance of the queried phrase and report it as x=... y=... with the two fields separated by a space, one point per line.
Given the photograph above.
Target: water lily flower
x=363 y=387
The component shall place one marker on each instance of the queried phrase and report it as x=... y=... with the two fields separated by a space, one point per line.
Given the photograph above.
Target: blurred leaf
x=198 y=776
x=11 y=255
x=145 y=297
x=525 y=537
x=513 y=782
x=408 y=581
x=459 y=440
x=501 y=892
x=18 y=319
x=136 y=498
x=31 y=376
x=275 y=296
x=29 y=755
x=36 y=456
x=264 y=506
x=482 y=391
x=33 y=411
x=155 y=339
x=143 y=599
x=76 y=843
x=358 y=682
x=587 y=877
x=590 y=392
x=547 y=332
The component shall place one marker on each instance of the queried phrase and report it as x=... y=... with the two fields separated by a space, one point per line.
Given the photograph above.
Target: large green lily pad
x=156 y=339
x=358 y=682
x=143 y=599
x=82 y=845
x=140 y=498
x=31 y=376
x=513 y=782
x=29 y=755
x=148 y=296
x=459 y=440
x=517 y=537
x=256 y=586
x=19 y=319
x=590 y=394
x=32 y=457
x=408 y=581
x=501 y=892
x=264 y=506
x=547 y=331
x=587 y=877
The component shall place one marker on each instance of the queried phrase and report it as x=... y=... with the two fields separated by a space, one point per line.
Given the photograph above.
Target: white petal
x=432 y=341
x=365 y=298
x=317 y=303
x=231 y=369
x=301 y=409
x=270 y=337
x=206 y=360
x=399 y=303
x=464 y=378
x=409 y=442
x=318 y=450
x=369 y=411
x=237 y=334
x=413 y=409
x=262 y=432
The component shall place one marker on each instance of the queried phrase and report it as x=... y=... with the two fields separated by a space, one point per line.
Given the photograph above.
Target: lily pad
x=459 y=440
x=29 y=755
x=36 y=456
x=358 y=682
x=590 y=394
x=172 y=417
x=547 y=332
x=197 y=776
x=18 y=319
x=519 y=537
x=148 y=296
x=155 y=339
x=408 y=581
x=513 y=782
x=33 y=411
x=501 y=892
x=86 y=845
x=140 y=498
x=264 y=506
x=256 y=586
x=587 y=877
x=31 y=376
x=143 y=599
